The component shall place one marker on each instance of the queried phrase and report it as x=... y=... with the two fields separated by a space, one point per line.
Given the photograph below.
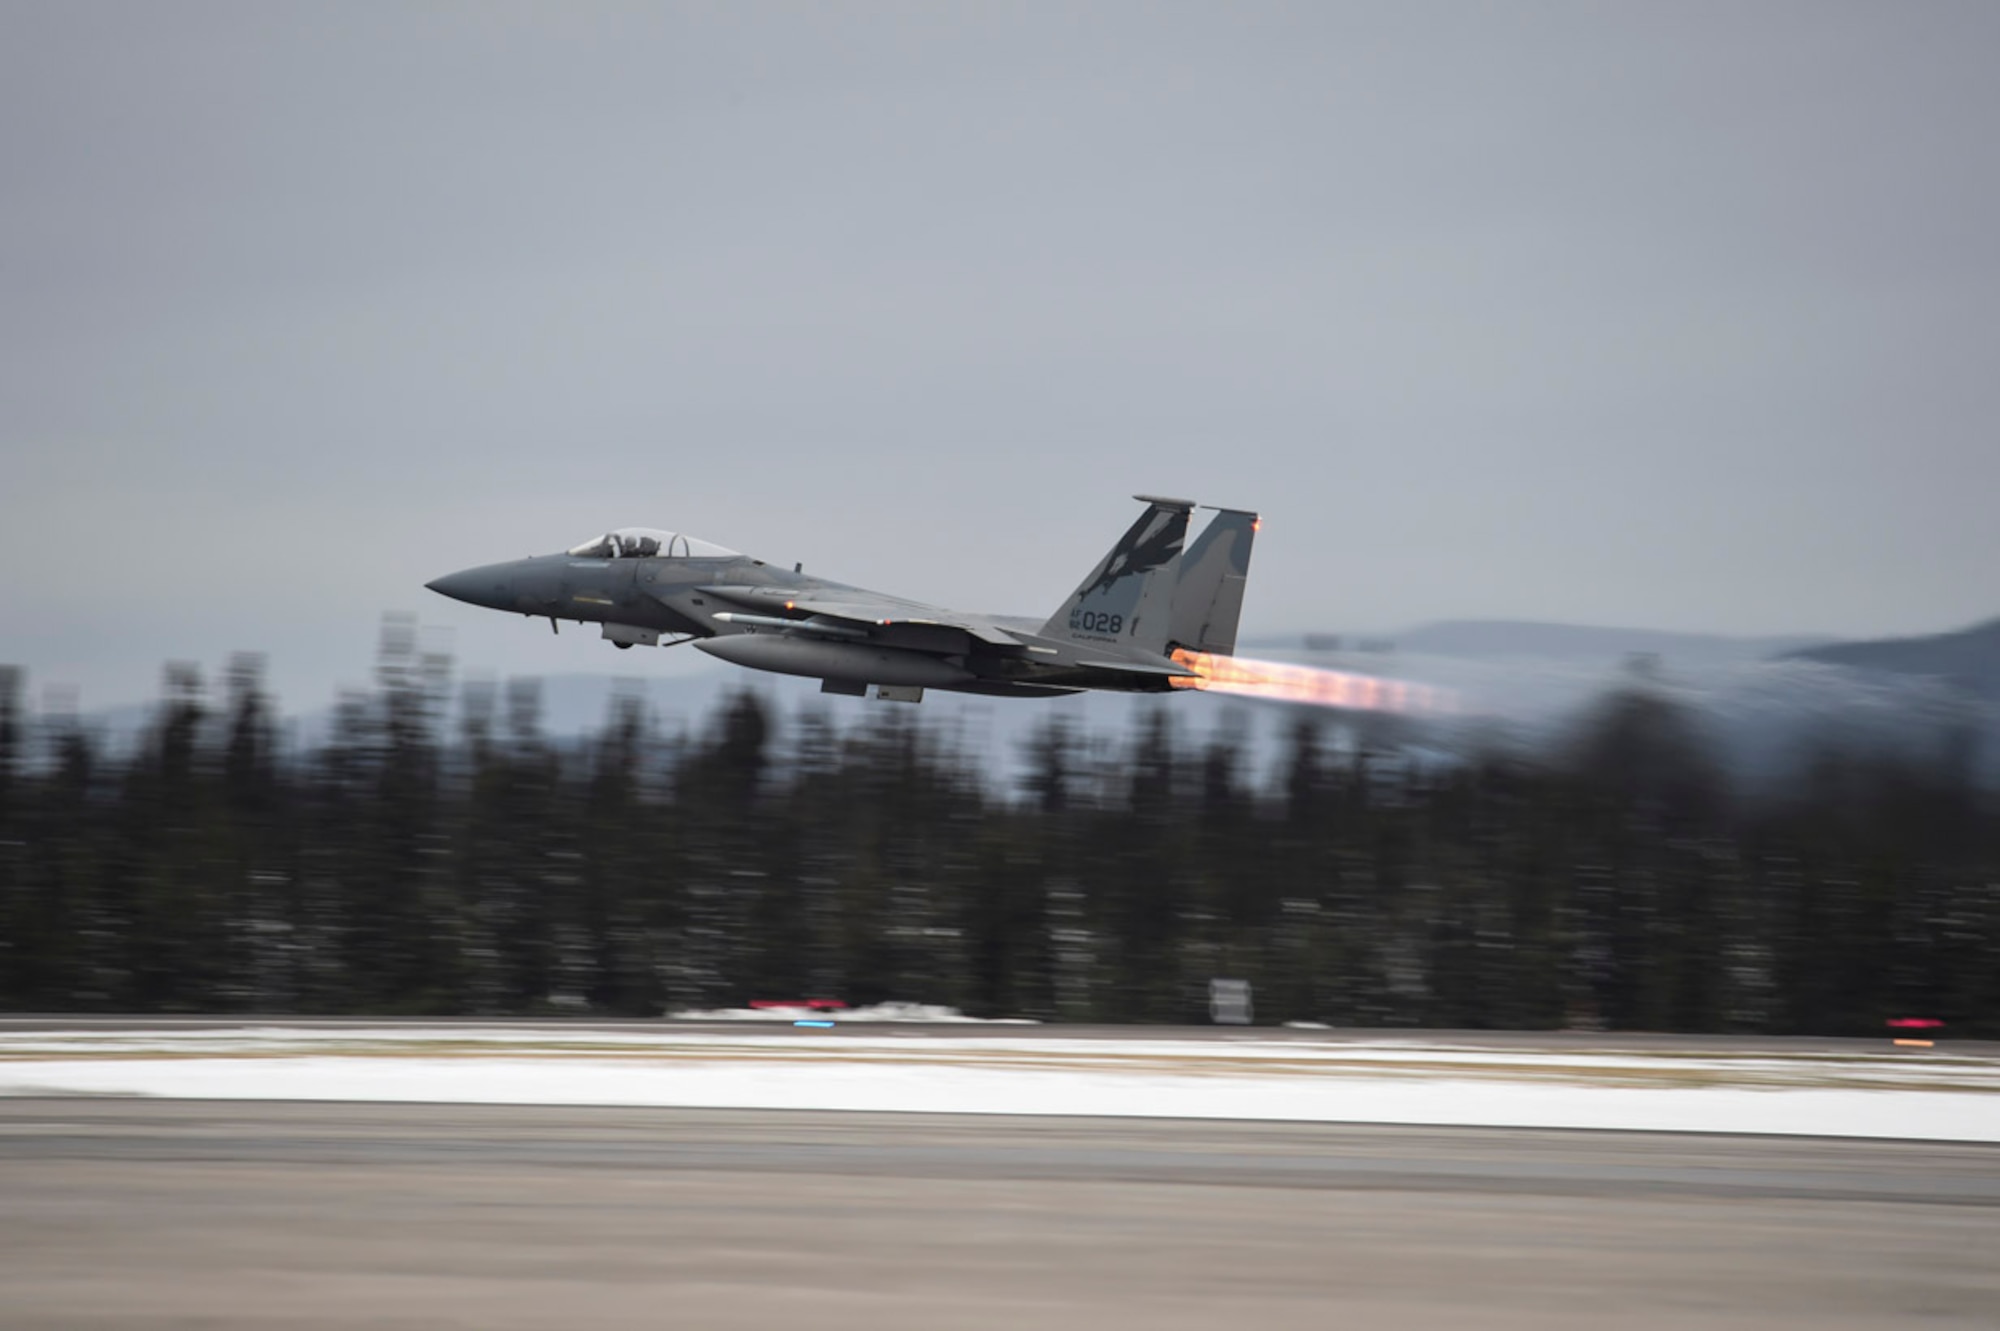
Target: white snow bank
x=897 y=1012
x=1937 y=1095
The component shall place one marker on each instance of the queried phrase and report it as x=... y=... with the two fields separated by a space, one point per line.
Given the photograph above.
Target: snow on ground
x=1864 y=1091
x=903 y=1013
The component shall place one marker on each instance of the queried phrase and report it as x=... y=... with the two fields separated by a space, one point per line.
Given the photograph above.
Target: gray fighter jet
x=1132 y=625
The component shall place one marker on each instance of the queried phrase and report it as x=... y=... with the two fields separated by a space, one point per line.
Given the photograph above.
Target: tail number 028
x=1092 y=621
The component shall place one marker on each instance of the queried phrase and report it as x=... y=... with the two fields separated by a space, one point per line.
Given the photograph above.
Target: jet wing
x=851 y=608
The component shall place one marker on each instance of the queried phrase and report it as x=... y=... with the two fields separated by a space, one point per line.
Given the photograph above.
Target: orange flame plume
x=1279 y=681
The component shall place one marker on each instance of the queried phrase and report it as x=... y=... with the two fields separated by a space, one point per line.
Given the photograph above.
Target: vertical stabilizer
x=1128 y=600
x=1209 y=596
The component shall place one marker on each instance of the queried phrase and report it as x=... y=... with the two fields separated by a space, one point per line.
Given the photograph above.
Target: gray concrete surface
x=155 y=1214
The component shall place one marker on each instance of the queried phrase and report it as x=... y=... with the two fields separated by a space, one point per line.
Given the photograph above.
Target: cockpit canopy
x=648 y=543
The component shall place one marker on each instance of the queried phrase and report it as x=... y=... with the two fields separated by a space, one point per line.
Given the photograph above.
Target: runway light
x=1280 y=681
x=822 y=1025
x=1913 y=1024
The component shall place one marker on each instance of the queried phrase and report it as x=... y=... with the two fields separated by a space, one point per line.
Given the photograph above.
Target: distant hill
x=1583 y=643
x=1969 y=658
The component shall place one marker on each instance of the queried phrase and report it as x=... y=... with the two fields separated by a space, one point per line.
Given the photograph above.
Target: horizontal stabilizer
x=1141 y=668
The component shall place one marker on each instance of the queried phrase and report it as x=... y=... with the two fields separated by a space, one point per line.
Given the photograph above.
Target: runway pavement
x=140 y=1213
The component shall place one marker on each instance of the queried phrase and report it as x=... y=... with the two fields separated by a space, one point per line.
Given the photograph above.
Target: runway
x=142 y=1213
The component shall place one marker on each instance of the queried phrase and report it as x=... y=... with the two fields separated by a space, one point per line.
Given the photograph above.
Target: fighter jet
x=1131 y=626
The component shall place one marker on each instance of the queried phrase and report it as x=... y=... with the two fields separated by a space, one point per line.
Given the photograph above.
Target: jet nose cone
x=472 y=586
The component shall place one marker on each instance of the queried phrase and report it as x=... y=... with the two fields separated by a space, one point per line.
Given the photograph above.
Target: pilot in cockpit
x=647 y=543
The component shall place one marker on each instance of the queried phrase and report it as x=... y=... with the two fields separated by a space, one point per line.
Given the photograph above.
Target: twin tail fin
x=1128 y=599
x=1208 y=599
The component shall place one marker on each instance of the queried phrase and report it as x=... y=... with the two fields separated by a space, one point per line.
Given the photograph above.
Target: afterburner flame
x=1280 y=681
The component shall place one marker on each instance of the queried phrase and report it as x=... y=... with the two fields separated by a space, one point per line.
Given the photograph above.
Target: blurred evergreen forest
x=394 y=869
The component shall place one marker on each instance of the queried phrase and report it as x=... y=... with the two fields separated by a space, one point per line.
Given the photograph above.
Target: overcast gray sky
x=1674 y=315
